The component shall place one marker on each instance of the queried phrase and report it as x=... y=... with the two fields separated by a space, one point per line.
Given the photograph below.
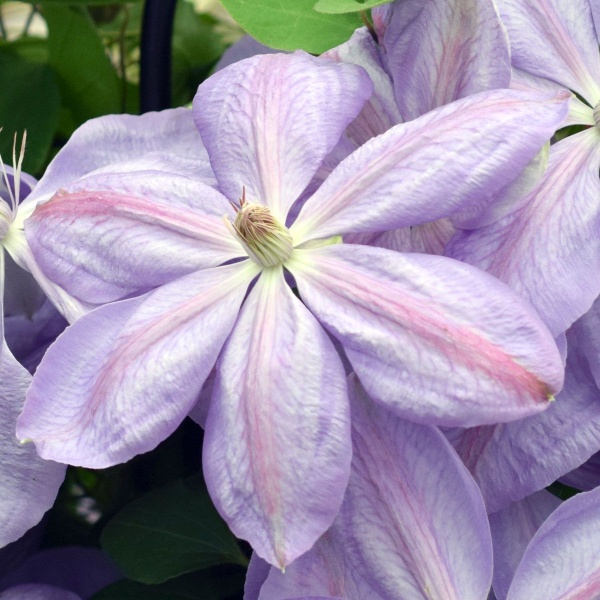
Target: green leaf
x=347 y=6
x=292 y=24
x=196 y=48
x=88 y=82
x=168 y=532
x=29 y=100
x=202 y=585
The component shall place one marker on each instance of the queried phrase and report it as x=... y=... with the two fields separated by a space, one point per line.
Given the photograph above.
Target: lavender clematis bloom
x=433 y=340
x=28 y=484
x=549 y=250
x=412 y=524
x=430 y=54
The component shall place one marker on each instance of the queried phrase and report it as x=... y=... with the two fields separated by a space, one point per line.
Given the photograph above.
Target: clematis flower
x=429 y=54
x=28 y=484
x=549 y=250
x=412 y=524
x=432 y=339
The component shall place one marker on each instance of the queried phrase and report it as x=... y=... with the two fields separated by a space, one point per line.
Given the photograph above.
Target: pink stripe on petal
x=123 y=377
x=277 y=442
x=102 y=246
x=435 y=341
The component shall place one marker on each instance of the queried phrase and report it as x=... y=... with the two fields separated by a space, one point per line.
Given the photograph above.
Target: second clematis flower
x=432 y=339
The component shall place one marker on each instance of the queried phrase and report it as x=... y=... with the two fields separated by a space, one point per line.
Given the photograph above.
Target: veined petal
x=115 y=139
x=270 y=120
x=562 y=560
x=587 y=332
x=555 y=39
x=585 y=477
x=71 y=307
x=412 y=525
x=413 y=520
x=122 y=378
x=256 y=575
x=428 y=238
x=549 y=250
x=380 y=111
x=277 y=442
x=102 y=246
x=28 y=484
x=512 y=530
x=512 y=460
x=453 y=158
x=579 y=113
x=165 y=178
x=440 y=51
x=433 y=340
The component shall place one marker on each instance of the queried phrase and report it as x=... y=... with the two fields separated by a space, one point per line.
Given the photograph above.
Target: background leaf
x=29 y=100
x=196 y=48
x=82 y=2
x=88 y=82
x=169 y=532
x=347 y=6
x=292 y=24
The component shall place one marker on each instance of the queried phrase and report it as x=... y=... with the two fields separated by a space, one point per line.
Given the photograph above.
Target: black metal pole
x=155 y=55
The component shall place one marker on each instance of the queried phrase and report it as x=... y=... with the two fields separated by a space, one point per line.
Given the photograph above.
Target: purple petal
x=102 y=246
x=511 y=461
x=586 y=477
x=277 y=443
x=413 y=520
x=119 y=138
x=455 y=157
x=433 y=340
x=440 y=51
x=579 y=113
x=512 y=529
x=549 y=250
x=122 y=378
x=428 y=238
x=412 y=524
x=83 y=571
x=35 y=591
x=258 y=571
x=555 y=39
x=380 y=112
x=587 y=332
x=269 y=121
x=562 y=560
x=28 y=484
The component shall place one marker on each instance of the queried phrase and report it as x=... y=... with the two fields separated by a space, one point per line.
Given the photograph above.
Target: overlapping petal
x=453 y=158
x=440 y=51
x=271 y=109
x=28 y=484
x=555 y=39
x=119 y=138
x=432 y=339
x=102 y=246
x=549 y=250
x=412 y=524
x=279 y=473
x=123 y=377
x=512 y=460
x=512 y=530
x=380 y=111
x=562 y=560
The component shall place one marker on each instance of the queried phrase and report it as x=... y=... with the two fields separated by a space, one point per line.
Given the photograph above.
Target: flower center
x=266 y=240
